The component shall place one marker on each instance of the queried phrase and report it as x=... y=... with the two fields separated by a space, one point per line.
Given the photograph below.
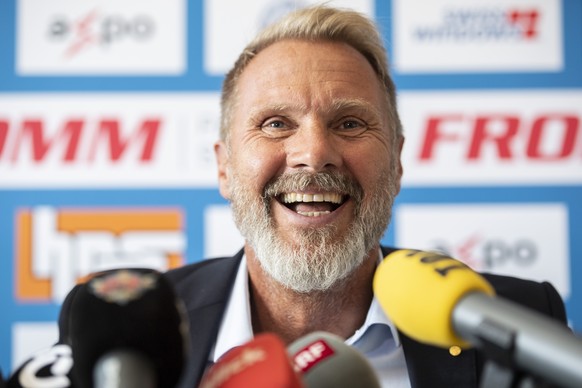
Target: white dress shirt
x=377 y=339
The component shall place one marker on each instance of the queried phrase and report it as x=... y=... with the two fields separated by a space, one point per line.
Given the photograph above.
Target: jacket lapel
x=433 y=367
x=206 y=290
x=430 y=366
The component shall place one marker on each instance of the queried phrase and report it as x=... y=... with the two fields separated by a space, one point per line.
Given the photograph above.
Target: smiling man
x=309 y=158
x=311 y=166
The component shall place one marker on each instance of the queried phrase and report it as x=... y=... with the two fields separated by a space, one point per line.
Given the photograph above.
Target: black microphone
x=440 y=301
x=127 y=329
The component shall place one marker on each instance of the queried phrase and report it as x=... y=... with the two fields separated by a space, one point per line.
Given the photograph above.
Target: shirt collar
x=376 y=315
x=236 y=327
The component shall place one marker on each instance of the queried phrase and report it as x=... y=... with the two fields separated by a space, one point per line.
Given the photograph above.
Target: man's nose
x=313 y=146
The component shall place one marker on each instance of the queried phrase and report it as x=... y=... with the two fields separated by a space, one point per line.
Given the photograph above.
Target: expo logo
x=56 y=248
x=94 y=29
x=517 y=239
x=490 y=253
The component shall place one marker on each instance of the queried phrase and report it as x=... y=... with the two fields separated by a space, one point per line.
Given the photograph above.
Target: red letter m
x=117 y=145
x=33 y=130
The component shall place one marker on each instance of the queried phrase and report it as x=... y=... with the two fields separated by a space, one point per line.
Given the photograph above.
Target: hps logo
x=56 y=247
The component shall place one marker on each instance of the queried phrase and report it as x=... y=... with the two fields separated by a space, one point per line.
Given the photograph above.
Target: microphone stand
x=500 y=371
x=124 y=369
x=517 y=338
x=498 y=376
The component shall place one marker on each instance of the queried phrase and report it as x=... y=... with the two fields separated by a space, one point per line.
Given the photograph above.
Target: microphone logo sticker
x=312 y=355
x=122 y=286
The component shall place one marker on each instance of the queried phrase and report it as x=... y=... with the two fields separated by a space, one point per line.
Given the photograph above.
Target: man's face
x=311 y=169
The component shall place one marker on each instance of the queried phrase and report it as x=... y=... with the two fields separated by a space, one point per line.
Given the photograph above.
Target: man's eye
x=351 y=124
x=351 y=127
x=276 y=124
x=271 y=125
x=277 y=127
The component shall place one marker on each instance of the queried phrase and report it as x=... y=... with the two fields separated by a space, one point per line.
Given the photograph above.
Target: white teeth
x=325 y=197
x=313 y=214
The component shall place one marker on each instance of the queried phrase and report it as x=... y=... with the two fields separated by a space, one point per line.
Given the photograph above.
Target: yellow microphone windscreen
x=419 y=290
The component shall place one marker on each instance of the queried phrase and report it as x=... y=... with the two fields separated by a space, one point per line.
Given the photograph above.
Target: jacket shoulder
x=205 y=282
x=540 y=296
x=180 y=274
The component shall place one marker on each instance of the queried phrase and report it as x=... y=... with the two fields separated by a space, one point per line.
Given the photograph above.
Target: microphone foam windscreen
x=260 y=363
x=419 y=290
x=128 y=309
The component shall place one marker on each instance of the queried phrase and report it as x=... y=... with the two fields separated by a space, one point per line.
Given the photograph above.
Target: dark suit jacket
x=205 y=288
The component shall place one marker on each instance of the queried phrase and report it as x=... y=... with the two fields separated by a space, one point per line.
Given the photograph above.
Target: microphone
x=260 y=363
x=326 y=361
x=127 y=329
x=48 y=368
x=440 y=301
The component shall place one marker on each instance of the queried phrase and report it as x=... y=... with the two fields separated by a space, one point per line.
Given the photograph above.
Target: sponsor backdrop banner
x=109 y=109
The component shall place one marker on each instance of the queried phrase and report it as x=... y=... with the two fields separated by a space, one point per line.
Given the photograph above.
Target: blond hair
x=320 y=23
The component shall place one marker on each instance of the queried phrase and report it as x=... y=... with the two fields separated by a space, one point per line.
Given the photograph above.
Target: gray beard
x=318 y=258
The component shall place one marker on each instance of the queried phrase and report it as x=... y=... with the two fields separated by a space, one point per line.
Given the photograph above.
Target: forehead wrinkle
x=360 y=104
x=337 y=105
x=276 y=108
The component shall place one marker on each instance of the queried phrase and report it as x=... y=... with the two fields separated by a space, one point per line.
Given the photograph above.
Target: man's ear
x=399 y=168
x=222 y=156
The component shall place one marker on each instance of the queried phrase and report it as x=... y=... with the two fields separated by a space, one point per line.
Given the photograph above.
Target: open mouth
x=312 y=205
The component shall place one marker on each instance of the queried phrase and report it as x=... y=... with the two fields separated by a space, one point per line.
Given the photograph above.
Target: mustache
x=330 y=181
